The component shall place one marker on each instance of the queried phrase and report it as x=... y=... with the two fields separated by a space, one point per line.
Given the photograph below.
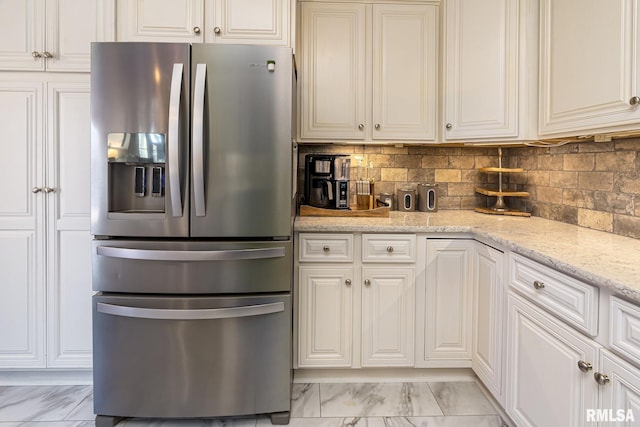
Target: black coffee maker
x=326 y=180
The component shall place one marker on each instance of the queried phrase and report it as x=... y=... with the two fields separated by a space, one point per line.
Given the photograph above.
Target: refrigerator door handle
x=163 y=255
x=198 y=314
x=174 y=140
x=198 y=136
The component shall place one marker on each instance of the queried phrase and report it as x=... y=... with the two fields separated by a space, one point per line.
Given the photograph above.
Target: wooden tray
x=492 y=212
x=306 y=210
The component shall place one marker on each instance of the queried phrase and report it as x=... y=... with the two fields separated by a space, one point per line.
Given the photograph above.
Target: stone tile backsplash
x=594 y=185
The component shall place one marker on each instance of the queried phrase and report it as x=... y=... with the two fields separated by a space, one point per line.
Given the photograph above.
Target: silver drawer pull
x=160 y=255
x=390 y=249
x=326 y=249
x=347 y=282
x=584 y=366
x=601 y=379
x=538 y=285
x=367 y=282
x=199 y=314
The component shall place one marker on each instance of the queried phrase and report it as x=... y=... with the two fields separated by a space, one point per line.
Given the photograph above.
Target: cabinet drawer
x=388 y=248
x=322 y=247
x=570 y=299
x=624 y=321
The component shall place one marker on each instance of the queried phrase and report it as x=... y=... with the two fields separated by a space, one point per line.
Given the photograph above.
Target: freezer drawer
x=191 y=356
x=181 y=267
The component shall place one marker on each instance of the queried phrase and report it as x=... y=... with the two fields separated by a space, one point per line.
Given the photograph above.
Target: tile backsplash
x=594 y=185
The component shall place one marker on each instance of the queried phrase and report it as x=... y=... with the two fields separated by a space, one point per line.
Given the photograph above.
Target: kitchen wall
x=594 y=185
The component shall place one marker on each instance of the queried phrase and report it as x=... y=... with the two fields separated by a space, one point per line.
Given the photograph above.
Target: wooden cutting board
x=306 y=210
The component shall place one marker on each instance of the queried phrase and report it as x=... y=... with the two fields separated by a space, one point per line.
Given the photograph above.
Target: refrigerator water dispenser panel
x=136 y=172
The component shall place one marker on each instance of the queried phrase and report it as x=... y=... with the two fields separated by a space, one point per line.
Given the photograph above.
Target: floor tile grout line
x=435 y=398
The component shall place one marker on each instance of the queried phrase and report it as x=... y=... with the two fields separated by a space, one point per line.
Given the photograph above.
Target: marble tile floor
x=433 y=404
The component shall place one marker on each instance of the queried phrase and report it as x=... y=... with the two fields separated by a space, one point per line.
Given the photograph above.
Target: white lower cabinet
x=388 y=316
x=325 y=320
x=445 y=307
x=549 y=369
x=488 y=318
x=45 y=297
x=355 y=311
x=619 y=392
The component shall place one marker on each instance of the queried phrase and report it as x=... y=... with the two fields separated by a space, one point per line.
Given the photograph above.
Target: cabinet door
x=405 y=40
x=68 y=219
x=332 y=78
x=21 y=34
x=481 y=69
x=448 y=303
x=620 y=397
x=250 y=22
x=325 y=322
x=21 y=224
x=589 y=65
x=545 y=386
x=388 y=319
x=71 y=27
x=488 y=308
x=167 y=21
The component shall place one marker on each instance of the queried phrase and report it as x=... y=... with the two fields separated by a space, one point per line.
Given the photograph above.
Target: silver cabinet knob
x=584 y=366
x=36 y=190
x=360 y=126
x=326 y=249
x=538 y=285
x=47 y=55
x=601 y=379
x=49 y=190
x=216 y=30
x=347 y=282
x=196 y=30
x=448 y=125
x=377 y=126
x=367 y=282
x=36 y=54
x=635 y=100
x=389 y=249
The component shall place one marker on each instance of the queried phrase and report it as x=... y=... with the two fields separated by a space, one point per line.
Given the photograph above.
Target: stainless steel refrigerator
x=192 y=199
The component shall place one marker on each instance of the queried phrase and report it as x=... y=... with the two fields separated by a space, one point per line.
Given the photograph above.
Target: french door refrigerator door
x=241 y=141
x=191 y=357
x=140 y=95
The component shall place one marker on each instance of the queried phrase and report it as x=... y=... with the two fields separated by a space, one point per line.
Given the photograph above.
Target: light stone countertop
x=600 y=258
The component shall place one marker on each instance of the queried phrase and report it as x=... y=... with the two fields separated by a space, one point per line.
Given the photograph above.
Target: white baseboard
x=46 y=377
x=382 y=375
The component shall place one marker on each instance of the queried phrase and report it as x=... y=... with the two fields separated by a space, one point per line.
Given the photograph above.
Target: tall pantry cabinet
x=44 y=179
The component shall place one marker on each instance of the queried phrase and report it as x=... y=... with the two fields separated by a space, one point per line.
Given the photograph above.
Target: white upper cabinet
x=368 y=71
x=589 y=75
x=251 y=22
x=489 y=63
x=51 y=35
x=210 y=21
x=151 y=20
x=404 y=71
x=332 y=71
